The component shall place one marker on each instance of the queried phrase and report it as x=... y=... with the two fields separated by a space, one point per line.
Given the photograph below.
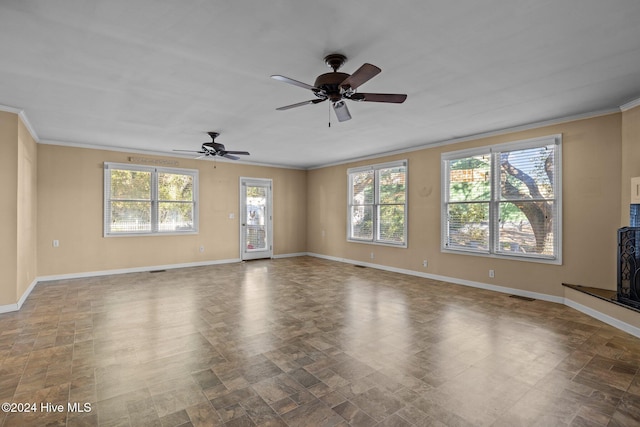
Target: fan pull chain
x=329 y=115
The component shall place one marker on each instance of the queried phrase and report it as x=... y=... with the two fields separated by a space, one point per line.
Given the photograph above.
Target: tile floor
x=307 y=342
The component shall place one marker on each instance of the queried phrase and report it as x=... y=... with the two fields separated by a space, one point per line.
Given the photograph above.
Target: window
x=149 y=200
x=504 y=200
x=378 y=204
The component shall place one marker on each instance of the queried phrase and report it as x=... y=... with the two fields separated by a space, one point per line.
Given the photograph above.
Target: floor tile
x=309 y=342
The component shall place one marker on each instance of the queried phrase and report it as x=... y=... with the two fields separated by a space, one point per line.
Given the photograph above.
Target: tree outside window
x=504 y=200
x=148 y=200
x=377 y=204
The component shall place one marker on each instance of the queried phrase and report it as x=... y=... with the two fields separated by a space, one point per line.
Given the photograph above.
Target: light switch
x=635 y=190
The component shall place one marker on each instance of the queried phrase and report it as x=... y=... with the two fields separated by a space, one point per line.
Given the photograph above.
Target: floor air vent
x=157 y=271
x=522 y=298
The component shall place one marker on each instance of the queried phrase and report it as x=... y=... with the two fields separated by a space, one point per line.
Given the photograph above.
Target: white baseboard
x=290 y=255
x=612 y=321
x=473 y=284
x=134 y=270
x=26 y=293
x=633 y=330
x=8 y=308
x=15 y=307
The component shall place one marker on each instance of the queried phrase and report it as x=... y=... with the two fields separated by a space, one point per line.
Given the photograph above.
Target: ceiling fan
x=338 y=87
x=214 y=148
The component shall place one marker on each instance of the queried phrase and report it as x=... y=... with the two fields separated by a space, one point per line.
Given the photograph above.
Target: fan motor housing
x=329 y=83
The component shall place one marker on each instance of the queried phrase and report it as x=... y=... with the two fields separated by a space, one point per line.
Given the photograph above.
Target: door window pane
x=256 y=203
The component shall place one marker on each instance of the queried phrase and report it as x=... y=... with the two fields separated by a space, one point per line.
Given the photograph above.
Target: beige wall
x=55 y=192
x=8 y=211
x=18 y=171
x=70 y=203
x=630 y=157
x=591 y=214
x=27 y=198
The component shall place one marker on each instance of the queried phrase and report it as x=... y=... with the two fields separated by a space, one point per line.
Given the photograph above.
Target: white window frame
x=494 y=152
x=155 y=202
x=376 y=203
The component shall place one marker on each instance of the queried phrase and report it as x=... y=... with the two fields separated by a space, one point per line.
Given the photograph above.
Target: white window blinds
x=148 y=200
x=504 y=200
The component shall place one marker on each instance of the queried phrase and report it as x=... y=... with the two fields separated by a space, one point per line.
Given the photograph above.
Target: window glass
x=147 y=200
x=377 y=204
x=504 y=200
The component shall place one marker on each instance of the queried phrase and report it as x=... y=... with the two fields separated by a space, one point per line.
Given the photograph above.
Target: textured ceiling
x=155 y=75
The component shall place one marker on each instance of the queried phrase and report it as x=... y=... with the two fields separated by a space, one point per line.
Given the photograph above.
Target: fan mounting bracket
x=335 y=61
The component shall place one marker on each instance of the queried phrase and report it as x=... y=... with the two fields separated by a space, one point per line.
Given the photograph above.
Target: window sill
x=368 y=242
x=540 y=260
x=167 y=233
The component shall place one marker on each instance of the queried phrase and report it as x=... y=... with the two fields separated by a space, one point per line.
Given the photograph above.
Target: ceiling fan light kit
x=337 y=87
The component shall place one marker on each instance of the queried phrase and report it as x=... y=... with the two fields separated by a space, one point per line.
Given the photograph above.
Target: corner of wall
x=630 y=137
x=8 y=211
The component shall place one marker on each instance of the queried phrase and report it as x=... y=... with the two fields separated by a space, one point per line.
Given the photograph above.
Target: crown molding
x=534 y=125
x=630 y=105
x=27 y=124
x=160 y=153
x=23 y=116
x=9 y=109
x=521 y=128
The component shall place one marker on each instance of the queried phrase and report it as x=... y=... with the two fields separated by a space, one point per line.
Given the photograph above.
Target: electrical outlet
x=201 y=248
x=56 y=243
x=492 y=273
x=372 y=256
x=425 y=264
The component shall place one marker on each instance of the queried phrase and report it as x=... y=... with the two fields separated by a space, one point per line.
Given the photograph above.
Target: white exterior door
x=256 y=240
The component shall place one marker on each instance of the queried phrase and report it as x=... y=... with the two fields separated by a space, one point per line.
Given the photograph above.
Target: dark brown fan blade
x=362 y=75
x=342 y=112
x=244 y=153
x=394 y=98
x=300 y=104
x=293 y=82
